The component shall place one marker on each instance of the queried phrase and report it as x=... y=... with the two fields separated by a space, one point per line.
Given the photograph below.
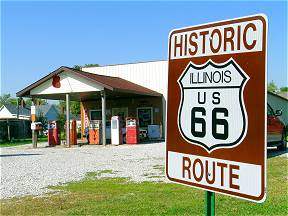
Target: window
x=145 y=116
x=97 y=114
x=122 y=112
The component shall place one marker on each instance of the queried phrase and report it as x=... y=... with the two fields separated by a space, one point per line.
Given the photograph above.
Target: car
x=276 y=130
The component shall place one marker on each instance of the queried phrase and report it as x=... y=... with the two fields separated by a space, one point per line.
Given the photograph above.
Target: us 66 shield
x=216 y=107
x=211 y=104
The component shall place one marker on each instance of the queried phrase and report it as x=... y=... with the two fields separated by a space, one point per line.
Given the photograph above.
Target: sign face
x=216 y=109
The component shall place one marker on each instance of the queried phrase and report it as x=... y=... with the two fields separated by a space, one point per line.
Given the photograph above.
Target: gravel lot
x=27 y=171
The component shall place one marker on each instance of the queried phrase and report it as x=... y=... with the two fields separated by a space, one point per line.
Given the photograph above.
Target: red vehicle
x=276 y=133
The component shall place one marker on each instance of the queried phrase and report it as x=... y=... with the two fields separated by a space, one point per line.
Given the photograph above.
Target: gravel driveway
x=27 y=171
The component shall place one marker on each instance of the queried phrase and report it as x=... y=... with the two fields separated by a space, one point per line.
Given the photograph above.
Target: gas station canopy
x=70 y=84
x=81 y=86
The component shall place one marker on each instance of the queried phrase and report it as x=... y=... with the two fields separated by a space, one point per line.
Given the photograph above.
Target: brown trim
x=156 y=94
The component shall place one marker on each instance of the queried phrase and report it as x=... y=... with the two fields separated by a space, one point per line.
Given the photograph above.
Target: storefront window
x=122 y=112
x=97 y=114
x=145 y=116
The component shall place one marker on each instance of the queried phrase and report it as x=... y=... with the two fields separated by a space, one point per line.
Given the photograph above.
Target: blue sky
x=38 y=37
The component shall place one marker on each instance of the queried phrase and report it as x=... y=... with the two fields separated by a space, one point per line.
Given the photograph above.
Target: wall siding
x=152 y=75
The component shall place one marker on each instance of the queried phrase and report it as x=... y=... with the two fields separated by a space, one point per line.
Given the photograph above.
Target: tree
x=74 y=107
x=41 y=118
x=91 y=65
x=284 y=89
x=272 y=87
x=62 y=120
x=6 y=99
x=37 y=101
x=78 y=67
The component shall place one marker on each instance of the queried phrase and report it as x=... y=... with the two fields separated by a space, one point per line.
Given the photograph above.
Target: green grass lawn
x=117 y=196
x=17 y=142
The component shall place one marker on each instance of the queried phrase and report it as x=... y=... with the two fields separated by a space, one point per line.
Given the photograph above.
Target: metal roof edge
x=140 y=62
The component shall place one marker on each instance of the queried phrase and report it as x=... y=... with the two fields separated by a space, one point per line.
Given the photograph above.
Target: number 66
x=215 y=121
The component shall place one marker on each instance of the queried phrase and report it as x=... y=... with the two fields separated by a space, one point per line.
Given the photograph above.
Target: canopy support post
x=67 y=120
x=103 y=100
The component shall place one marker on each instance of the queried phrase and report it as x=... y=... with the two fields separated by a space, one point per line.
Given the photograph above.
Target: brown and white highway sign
x=216 y=113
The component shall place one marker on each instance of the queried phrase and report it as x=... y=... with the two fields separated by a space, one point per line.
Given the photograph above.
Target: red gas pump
x=95 y=132
x=53 y=133
x=132 y=130
x=73 y=132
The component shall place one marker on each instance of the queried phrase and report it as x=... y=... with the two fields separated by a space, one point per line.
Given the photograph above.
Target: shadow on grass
x=273 y=152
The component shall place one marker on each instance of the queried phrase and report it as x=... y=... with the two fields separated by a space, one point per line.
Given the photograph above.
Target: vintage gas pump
x=116 y=131
x=132 y=130
x=73 y=132
x=95 y=132
x=53 y=133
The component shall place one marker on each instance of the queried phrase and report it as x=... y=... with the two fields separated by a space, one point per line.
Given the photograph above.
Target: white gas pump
x=116 y=131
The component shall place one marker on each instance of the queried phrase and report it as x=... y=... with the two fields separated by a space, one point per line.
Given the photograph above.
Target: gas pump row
x=54 y=133
x=95 y=132
x=132 y=131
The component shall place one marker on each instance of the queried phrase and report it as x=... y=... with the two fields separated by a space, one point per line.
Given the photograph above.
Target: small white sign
x=36 y=126
x=33 y=110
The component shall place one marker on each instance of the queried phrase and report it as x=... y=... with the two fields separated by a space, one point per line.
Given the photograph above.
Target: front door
x=145 y=116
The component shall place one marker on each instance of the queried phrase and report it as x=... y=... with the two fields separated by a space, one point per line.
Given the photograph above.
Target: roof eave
x=26 y=91
x=153 y=94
